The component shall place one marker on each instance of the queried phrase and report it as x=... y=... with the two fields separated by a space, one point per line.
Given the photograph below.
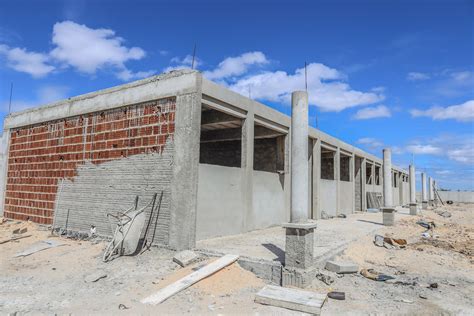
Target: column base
x=424 y=205
x=301 y=278
x=299 y=247
x=388 y=216
x=413 y=210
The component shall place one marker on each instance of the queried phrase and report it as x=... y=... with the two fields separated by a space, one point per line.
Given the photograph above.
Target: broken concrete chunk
x=325 y=278
x=94 y=277
x=342 y=267
x=185 y=257
x=20 y=230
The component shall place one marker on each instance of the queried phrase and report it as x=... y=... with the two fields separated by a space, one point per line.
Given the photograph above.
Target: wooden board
x=189 y=280
x=294 y=299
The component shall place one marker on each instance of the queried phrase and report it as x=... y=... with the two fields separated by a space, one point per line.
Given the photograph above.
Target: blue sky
x=380 y=73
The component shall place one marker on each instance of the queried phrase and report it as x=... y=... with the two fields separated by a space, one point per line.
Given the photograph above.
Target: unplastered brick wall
x=47 y=154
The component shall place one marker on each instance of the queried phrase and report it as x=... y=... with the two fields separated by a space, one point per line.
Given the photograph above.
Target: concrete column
x=373 y=176
x=299 y=243
x=352 y=179
x=430 y=189
x=412 y=186
x=247 y=156
x=4 y=144
x=337 y=178
x=424 y=193
x=186 y=169
x=363 y=189
x=316 y=178
x=387 y=178
x=299 y=157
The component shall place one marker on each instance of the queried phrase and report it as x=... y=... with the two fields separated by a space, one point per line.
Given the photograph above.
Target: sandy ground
x=53 y=281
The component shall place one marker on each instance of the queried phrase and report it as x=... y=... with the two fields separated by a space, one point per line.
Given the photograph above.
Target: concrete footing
x=299 y=247
x=413 y=210
x=424 y=205
x=301 y=278
x=388 y=215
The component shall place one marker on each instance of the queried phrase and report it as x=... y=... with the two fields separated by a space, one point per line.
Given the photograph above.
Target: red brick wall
x=40 y=155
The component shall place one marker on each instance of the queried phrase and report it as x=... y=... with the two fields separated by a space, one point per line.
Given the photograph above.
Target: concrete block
x=342 y=267
x=424 y=205
x=388 y=215
x=413 y=209
x=299 y=247
x=185 y=257
x=301 y=278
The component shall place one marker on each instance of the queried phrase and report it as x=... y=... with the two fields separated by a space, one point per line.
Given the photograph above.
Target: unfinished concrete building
x=221 y=161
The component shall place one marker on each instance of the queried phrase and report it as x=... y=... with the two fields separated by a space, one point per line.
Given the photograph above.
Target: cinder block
x=185 y=257
x=342 y=267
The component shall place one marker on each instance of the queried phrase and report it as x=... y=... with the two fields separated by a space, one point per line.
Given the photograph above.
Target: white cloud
x=464 y=154
x=19 y=59
x=463 y=112
x=236 y=66
x=372 y=112
x=183 y=63
x=85 y=49
x=88 y=50
x=417 y=76
x=370 y=143
x=325 y=88
x=424 y=149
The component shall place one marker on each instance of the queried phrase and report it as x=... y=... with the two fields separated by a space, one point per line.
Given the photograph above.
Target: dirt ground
x=52 y=281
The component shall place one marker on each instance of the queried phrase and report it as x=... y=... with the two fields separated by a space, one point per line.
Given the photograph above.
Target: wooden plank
x=294 y=299
x=13 y=239
x=189 y=280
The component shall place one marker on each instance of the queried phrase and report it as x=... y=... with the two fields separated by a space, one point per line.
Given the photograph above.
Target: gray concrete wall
x=268 y=200
x=395 y=196
x=219 y=207
x=346 y=197
x=457 y=196
x=328 y=193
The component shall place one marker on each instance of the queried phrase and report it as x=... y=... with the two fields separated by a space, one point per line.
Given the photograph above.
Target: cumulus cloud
x=183 y=63
x=236 y=66
x=372 y=112
x=326 y=87
x=84 y=49
x=424 y=149
x=417 y=76
x=21 y=60
x=463 y=112
x=370 y=143
x=88 y=50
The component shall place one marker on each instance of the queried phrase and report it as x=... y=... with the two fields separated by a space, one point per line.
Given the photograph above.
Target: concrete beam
x=213 y=117
x=230 y=134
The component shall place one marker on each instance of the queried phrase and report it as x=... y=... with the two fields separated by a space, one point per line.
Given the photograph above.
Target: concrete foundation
x=424 y=205
x=301 y=278
x=413 y=209
x=388 y=216
x=299 y=246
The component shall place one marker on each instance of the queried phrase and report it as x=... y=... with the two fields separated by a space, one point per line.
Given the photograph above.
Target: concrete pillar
x=363 y=189
x=424 y=193
x=412 y=186
x=4 y=152
x=352 y=179
x=337 y=178
x=299 y=243
x=316 y=178
x=299 y=157
x=430 y=191
x=248 y=127
x=387 y=178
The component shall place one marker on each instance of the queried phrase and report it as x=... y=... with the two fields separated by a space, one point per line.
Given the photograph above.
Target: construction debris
x=294 y=299
x=13 y=239
x=39 y=246
x=341 y=296
x=342 y=267
x=189 y=280
x=374 y=275
x=444 y=214
x=389 y=243
x=185 y=257
x=324 y=278
x=427 y=225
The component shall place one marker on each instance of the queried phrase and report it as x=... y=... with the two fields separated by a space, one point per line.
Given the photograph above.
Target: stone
x=94 y=277
x=185 y=257
x=342 y=267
